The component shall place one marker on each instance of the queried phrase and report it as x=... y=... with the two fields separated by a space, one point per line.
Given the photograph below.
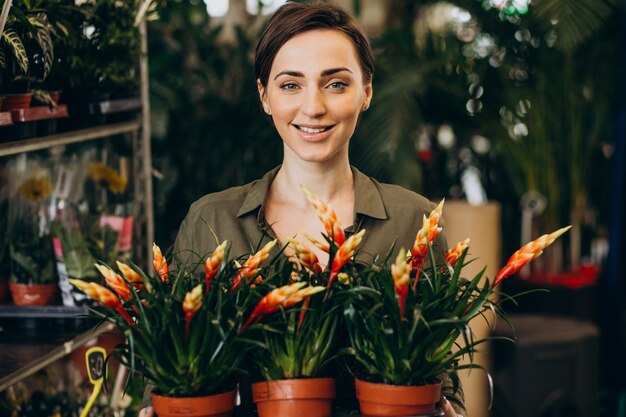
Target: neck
x=330 y=180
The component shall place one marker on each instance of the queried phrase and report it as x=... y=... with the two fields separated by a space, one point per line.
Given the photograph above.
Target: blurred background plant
x=30 y=246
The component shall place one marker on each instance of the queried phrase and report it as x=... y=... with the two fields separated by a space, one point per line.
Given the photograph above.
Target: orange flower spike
x=160 y=264
x=131 y=276
x=303 y=294
x=305 y=255
x=327 y=216
x=452 y=256
x=191 y=305
x=400 y=272
x=425 y=236
x=273 y=301
x=212 y=265
x=527 y=253
x=321 y=245
x=115 y=282
x=250 y=267
x=102 y=295
x=128 y=273
x=343 y=255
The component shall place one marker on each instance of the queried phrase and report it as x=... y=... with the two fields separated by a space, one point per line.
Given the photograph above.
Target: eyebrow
x=325 y=73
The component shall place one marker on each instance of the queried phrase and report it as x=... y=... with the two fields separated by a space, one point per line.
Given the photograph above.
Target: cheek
x=282 y=106
x=346 y=108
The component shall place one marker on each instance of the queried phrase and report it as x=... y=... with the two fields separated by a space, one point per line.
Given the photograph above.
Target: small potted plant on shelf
x=299 y=324
x=30 y=38
x=33 y=278
x=182 y=330
x=408 y=322
x=83 y=231
x=14 y=63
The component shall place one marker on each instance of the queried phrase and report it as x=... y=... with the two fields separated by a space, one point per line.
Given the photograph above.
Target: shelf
x=23 y=355
x=115 y=106
x=34 y=114
x=83 y=135
x=12 y=311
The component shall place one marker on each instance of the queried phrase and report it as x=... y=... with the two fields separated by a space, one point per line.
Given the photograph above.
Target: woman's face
x=315 y=93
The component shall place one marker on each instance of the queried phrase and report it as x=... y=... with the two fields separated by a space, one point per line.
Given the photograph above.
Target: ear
x=369 y=93
x=262 y=95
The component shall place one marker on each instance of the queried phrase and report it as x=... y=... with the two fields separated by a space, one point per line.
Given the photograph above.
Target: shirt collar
x=368 y=202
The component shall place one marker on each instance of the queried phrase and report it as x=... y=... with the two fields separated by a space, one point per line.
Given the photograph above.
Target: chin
x=316 y=155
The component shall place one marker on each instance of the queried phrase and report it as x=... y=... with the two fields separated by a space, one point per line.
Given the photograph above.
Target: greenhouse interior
x=312 y=208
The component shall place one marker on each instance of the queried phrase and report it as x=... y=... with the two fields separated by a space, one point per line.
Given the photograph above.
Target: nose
x=314 y=103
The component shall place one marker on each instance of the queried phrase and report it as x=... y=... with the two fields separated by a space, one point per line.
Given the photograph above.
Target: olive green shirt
x=388 y=213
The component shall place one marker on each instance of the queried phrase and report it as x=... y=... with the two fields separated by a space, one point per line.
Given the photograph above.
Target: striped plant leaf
x=43 y=37
x=3 y=61
x=17 y=46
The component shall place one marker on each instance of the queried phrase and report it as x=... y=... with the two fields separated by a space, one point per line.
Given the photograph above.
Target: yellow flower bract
x=35 y=189
x=102 y=172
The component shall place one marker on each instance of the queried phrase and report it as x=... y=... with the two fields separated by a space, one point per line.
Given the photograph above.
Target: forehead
x=316 y=49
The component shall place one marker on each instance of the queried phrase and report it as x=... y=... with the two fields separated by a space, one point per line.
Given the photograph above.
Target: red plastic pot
x=393 y=400
x=33 y=294
x=219 y=405
x=311 y=397
x=17 y=101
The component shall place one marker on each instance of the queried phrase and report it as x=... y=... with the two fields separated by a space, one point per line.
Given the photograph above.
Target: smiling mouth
x=313 y=131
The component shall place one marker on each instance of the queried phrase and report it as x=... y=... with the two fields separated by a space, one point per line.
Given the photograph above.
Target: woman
x=314 y=72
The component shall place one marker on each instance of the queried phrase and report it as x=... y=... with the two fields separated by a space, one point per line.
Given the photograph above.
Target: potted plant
x=182 y=330
x=33 y=279
x=86 y=222
x=30 y=39
x=405 y=318
x=13 y=63
x=298 y=324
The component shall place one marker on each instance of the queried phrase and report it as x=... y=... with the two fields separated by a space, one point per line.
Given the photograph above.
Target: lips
x=312 y=130
x=313 y=133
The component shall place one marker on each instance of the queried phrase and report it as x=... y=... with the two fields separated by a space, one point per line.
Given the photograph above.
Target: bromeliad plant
x=405 y=318
x=182 y=327
x=298 y=322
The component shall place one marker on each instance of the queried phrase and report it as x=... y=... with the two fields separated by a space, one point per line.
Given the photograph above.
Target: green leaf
x=17 y=46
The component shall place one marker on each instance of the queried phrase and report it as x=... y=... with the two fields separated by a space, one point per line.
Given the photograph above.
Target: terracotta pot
x=4 y=286
x=17 y=101
x=219 y=405
x=33 y=294
x=393 y=400
x=312 y=397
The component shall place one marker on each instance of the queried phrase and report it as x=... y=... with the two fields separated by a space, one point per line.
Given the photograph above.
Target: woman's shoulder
x=397 y=197
x=228 y=200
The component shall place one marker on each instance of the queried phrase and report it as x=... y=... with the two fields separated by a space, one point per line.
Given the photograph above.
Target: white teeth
x=309 y=130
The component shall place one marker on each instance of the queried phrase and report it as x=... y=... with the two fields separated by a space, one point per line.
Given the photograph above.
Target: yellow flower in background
x=35 y=189
x=100 y=172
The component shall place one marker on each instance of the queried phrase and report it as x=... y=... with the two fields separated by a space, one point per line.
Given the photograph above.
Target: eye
x=289 y=86
x=338 y=85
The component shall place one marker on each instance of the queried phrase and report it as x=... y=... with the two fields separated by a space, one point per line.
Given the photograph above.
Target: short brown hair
x=292 y=19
